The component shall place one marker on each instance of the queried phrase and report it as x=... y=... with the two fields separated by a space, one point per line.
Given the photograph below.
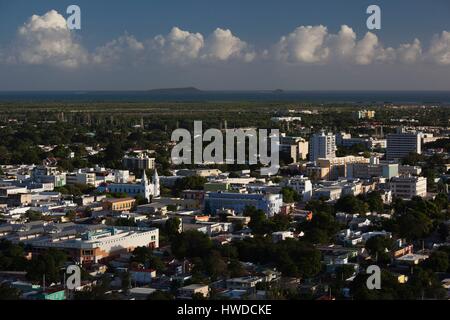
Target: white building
x=401 y=144
x=302 y=185
x=81 y=178
x=408 y=187
x=322 y=145
x=144 y=188
x=281 y=236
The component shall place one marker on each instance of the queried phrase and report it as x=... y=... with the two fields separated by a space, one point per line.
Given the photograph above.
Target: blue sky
x=258 y=24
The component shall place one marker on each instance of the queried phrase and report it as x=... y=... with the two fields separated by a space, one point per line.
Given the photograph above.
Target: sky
x=225 y=45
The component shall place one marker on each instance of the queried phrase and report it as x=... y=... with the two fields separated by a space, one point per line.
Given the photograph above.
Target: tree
x=351 y=204
x=258 y=220
x=172 y=227
x=375 y=202
x=8 y=293
x=191 y=244
x=33 y=215
x=215 y=266
x=189 y=183
x=49 y=263
x=438 y=261
x=321 y=229
x=160 y=295
x=12 y=256
x=414 y=225
x=379 y=247
x=289 y=195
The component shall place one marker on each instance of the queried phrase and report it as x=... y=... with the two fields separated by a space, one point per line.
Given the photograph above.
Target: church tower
x=156 y=191
x=145 y=186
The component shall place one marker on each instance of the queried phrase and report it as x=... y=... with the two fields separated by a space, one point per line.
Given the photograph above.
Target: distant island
x=176 y=90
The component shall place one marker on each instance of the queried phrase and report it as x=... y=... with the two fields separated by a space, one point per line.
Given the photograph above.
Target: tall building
x=322 y=145
x=138 y=162
x=365 y=114
x=400 y=144
x=295 y=147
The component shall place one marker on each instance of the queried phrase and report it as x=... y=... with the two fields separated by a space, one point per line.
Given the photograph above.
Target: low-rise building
x=269 y=203
x=189 y=291
x=121 y=204
x=408 y=187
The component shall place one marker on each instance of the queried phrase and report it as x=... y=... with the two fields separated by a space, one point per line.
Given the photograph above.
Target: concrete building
x=302 y=185
x=365 y=114
x=187 y=292
x=295 y=147
x=144 y=188
x=281 y=236
x=269 y=203
x=372 y=169
x=401 y=144
x=328 y=193
x=48 y=174
x=140 y=161
x=121 y=204
x=85 y=244
x=408 y=187
x=322 y=145
x=334 y=168
x=81 y=178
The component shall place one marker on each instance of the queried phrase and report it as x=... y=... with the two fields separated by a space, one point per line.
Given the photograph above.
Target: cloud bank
x=46 y=40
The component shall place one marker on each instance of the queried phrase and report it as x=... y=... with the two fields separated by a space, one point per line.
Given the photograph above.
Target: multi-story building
x=140 y=161
x=269 y=203
x=337 y=166
x=295 y=147
x=408 y=187
x=85 y=244
x=322 y=145
x=401 y=144
x=46 y=174
x=372 y=169
x=302 y=185
x=87 y=178
x=365 y=114
x=120 y=204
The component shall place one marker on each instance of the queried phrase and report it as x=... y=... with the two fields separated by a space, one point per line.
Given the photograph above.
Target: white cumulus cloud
x=179 y=45
x=123 y=49
x=440 y=49
x=223 y=45
x=315 y=45
x=46 y=40
x=306 y=44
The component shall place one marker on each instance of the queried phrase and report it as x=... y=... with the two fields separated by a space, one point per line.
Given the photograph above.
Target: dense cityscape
x=93 y=185
x=224 y=159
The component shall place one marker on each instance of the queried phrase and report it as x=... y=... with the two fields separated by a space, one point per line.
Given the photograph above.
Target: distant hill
x=176 y=90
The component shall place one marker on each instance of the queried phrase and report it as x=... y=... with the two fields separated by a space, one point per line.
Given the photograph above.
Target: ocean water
x=372 y=97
